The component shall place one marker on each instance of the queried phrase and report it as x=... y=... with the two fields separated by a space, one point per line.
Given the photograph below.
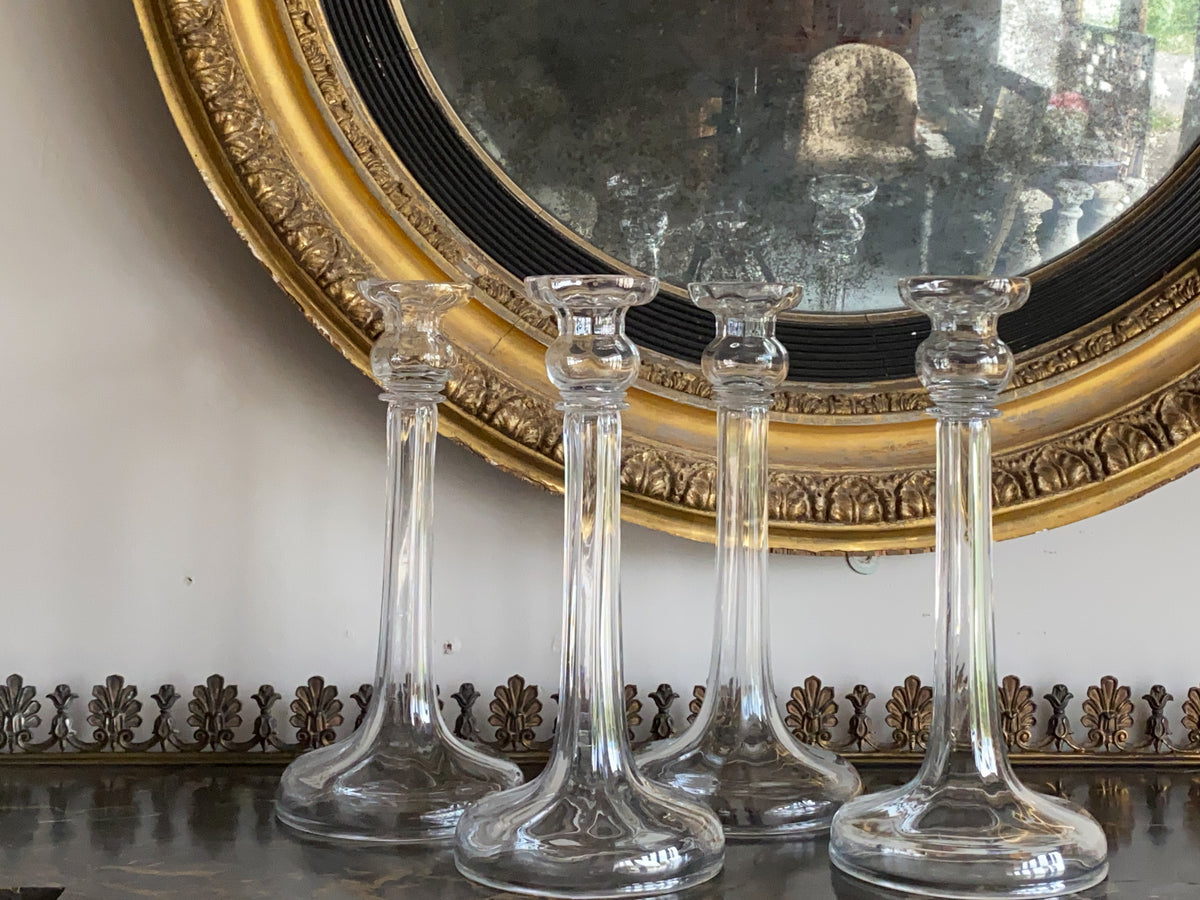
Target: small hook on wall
x=863 y=564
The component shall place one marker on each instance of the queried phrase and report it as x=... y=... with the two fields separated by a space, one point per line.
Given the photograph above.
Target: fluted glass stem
x=740 y=673
x=591 y=731
x=966 y=721
x=404 y=682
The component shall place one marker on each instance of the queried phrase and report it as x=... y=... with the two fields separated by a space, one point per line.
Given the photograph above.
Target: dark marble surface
x=207 y=832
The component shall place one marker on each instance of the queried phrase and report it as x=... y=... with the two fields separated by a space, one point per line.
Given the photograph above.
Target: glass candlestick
x=838 y=229
x=965 y=827
x=402 y=777
x=738 y=755
x=590 y=825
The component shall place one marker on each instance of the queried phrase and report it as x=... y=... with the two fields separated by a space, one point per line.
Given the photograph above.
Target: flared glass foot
x=389 y=794
x=559 y=837
x=969 y=841
x=760 y=789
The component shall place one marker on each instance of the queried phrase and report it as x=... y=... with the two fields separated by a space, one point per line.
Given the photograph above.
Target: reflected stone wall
x=1030 y=35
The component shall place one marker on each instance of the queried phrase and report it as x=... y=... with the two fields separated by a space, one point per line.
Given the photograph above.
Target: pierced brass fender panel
x=1108 y=727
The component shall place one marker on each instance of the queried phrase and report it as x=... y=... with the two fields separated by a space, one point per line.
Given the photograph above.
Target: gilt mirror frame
x=281 y=131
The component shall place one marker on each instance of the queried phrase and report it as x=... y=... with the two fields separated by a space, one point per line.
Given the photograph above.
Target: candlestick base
x=568 y=836
x=760 y=781
x=969 y=839
x=390 y=791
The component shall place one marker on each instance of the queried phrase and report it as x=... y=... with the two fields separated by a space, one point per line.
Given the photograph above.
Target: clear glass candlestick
x=590 y=825
x=965 y=827
x=402 y=777
x=838 y=229
x=738 y=756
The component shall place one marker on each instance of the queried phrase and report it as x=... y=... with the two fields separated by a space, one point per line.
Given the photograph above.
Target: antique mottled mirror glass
x=839 y=144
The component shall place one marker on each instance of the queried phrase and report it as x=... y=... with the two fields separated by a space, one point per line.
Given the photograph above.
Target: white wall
x=191 y=479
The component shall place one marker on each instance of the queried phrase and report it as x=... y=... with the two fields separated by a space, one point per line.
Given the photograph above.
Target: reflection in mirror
x=836 y=143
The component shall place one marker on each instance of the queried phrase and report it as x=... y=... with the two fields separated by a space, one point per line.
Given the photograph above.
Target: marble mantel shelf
x=106 y=831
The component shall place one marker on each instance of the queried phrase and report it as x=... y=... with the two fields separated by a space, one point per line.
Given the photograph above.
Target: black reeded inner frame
x=371 y=44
